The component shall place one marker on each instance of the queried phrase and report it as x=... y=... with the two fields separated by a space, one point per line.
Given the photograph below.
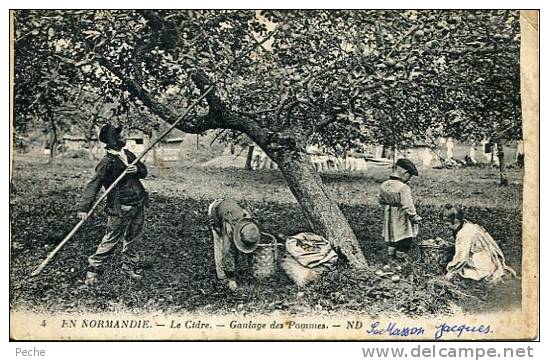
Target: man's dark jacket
x=129 y=191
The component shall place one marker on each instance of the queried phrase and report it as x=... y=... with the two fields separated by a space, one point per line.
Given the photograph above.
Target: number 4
x=43 y=324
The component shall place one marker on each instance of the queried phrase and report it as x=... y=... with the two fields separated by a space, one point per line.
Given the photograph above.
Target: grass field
x=180 y=273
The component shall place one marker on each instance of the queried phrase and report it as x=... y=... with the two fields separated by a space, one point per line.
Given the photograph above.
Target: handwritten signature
x=442 y=330
x=459 y=330
x=392 y=329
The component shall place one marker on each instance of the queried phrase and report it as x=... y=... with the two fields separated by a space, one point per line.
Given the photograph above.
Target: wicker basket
x=265 y=258
x=435 y=257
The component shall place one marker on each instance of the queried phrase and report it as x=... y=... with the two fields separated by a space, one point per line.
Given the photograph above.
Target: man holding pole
x=125 y=204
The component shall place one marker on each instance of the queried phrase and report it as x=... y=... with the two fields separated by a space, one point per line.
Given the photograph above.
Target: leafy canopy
x=330 y=77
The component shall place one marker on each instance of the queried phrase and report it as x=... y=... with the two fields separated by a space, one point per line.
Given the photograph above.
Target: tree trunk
x=501 y=158
x=153 y=135
x=53 y=140
x=249 y=158
x=323 y=214
x=393 y=155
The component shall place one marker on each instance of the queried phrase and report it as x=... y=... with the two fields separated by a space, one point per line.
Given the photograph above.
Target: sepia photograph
x=274 y=175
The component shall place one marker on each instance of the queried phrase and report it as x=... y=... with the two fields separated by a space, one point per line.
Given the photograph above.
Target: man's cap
x=109 y=133
x=407 y=164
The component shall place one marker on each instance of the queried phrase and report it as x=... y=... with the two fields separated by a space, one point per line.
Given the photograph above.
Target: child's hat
x=246 y=235
x=407 y=164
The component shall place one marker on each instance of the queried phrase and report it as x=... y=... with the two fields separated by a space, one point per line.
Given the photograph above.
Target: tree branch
x=473 y=50
x=412 y=29
x=188 y=125
x=258 y=112
x=329 y=120
x=217 y=116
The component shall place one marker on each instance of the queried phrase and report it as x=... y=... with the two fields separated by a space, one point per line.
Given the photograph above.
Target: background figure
x=473 y=153
x=449 y=148
x=520 y=154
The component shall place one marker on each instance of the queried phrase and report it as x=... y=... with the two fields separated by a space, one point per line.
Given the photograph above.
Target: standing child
x=125 y=204
x=400 y=226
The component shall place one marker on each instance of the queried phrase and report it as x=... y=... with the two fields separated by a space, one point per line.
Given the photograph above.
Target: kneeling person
x=477 y=255
x=234 y=232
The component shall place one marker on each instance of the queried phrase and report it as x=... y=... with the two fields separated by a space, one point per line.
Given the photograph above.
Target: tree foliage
x=338 y=77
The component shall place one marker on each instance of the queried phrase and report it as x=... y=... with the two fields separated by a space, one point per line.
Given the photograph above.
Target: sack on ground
x=308 y=255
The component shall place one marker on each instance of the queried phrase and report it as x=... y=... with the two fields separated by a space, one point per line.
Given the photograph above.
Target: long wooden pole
x=111 y=187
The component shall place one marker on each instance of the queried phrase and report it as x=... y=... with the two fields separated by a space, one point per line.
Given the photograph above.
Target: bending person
x=234 y=232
